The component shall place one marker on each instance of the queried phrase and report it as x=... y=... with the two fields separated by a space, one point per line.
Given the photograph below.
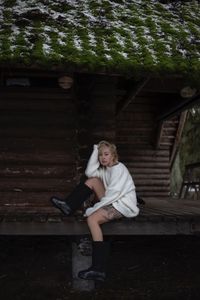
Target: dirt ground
x=39 y=268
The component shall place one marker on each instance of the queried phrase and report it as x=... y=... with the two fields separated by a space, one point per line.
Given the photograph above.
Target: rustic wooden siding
x=169 y=129
x=134 y=131
x=47 y=136
x=37 y=155
x=96 y=99
x=136 y=135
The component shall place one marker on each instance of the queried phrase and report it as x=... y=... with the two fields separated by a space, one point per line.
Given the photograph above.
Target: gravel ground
x=39 y=268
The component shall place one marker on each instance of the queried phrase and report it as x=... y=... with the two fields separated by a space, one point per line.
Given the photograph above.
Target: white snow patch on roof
x=46 y=48
x=77 y=42
x=92 y=39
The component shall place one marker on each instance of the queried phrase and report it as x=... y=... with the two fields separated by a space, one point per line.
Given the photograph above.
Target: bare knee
x=91 y=221
x=95 y=219
x=93 y=182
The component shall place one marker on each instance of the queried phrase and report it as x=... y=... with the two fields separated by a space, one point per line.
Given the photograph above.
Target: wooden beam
x=182 y=120
x=159 y=134
x=131 y=95
x=179 y=107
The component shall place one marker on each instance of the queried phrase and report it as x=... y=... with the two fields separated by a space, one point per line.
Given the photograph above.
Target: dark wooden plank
x=60 y=157
x=154 y=158
x=176 y=207
x=151 y=190
x=33 y=93
x=152 y=182
x=37 y=119
x=34 y=171
x=149 y=164
x=19 y=131
x=144 y=176
x=156 y=194
x=31 y=144
x=18 y=196
x=56 y=104
x=142 y=171
x=14 y=213
x=36 y=184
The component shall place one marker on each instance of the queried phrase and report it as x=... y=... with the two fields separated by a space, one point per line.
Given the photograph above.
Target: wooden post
x=80 y=261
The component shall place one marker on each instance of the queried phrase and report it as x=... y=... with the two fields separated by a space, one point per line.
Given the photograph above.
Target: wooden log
x=134 y=158
x=131 y=122
x=60 y=157
x=143 y=142
x=144 y=117
x=33 y=198
x=23 y=105
x=35 y=171
x=43 y=144
x=152 y=176
x=154 y=164
x=153 y=194
x=37 y=119
x=19 y=131
x=38 y=184
x=152 y=182
x=34 y=93
x=151 y=188
x=147 y=171
x=127 y=149
x=144 y=130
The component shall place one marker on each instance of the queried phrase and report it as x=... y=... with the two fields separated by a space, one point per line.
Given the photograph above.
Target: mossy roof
x=133 y=36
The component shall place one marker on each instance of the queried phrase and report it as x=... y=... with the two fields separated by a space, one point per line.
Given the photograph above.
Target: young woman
x=113 y=186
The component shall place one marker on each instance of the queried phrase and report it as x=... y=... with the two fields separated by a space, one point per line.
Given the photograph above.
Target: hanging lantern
x=65 y=82
x=188 y=92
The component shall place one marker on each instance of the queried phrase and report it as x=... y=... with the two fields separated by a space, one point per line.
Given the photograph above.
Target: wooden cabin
x=75 y=73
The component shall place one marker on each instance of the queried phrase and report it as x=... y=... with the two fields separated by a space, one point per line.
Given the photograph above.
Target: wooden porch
x=157 y=217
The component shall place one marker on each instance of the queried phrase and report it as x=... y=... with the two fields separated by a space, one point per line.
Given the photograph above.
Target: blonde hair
x=112 y=147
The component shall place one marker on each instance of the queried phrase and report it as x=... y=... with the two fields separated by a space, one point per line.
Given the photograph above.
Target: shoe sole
x=95 y=279
x=54 y=204
x=92 y=278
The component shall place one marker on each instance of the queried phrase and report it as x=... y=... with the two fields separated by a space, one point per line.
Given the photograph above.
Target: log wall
x=37 y=153
x=96 y=99
x=136 y=135
x=47 y=136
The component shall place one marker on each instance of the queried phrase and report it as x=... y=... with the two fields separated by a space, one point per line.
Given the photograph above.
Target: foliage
x=189 y=150
x=190 y=144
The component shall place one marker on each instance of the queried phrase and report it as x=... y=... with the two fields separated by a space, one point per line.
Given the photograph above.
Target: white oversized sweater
x=119 y=186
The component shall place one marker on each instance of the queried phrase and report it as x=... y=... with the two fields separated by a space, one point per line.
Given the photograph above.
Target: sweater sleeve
x=93 y=164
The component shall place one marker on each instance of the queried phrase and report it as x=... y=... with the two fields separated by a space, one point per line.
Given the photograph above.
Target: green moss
x=141 y=19
x=9 y=3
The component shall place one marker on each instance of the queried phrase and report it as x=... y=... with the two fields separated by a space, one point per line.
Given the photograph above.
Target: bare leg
x=94 y=221
x=99 y=217
x=97 y=186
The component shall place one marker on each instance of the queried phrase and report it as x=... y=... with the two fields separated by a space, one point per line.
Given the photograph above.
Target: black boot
x=100 y=255
x=74 y=200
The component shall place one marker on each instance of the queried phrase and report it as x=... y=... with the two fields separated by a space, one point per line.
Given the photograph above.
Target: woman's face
x=106 y=158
